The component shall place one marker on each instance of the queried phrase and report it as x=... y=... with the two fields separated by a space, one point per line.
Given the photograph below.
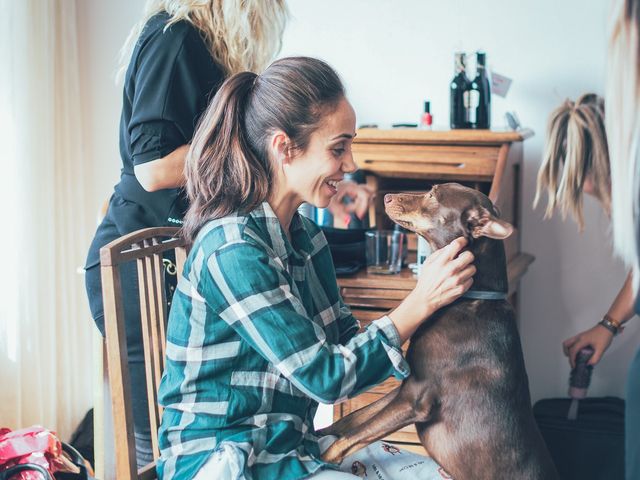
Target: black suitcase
x=590 y=447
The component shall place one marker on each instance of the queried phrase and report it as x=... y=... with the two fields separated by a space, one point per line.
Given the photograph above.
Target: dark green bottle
x=457 y=87
x=478 y=96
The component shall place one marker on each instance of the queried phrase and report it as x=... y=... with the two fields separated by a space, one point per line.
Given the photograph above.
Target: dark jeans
x=131 y=305
x=632 y=421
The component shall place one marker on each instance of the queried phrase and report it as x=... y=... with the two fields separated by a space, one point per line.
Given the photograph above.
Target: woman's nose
x=348 y=165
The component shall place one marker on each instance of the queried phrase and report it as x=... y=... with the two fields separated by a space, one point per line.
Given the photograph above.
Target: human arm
x=599 y=337
x=165 y=172
x=446 y=275
x=359 y=196
x=253 y=293
x=173 y=80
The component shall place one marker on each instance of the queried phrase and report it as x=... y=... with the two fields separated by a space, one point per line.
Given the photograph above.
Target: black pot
x=347 y=249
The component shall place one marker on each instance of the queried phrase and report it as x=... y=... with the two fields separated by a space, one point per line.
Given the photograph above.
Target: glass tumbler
x=384 y=250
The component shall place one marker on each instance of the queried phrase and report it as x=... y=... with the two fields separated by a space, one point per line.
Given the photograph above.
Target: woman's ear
x=482 y=223
x=280 y=147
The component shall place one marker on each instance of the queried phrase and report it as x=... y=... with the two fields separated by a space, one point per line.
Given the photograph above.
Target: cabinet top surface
x=406 y=280
x=420 y=136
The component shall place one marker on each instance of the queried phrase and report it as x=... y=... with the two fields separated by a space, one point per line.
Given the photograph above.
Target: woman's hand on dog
x=598 y=337
x=445 y=276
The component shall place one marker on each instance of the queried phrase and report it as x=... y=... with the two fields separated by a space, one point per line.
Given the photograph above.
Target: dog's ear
x=483 y=224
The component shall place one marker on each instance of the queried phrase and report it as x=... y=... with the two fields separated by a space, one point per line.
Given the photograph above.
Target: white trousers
x=378 y=460
x=222 y=465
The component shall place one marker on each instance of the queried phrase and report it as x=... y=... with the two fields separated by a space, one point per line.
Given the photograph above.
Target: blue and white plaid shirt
x=258 y=335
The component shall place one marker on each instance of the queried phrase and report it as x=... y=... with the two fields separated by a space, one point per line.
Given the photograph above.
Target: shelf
x=409 y=136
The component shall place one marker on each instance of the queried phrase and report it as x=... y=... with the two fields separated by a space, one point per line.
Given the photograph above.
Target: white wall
x=392 y=55
x=102 y=29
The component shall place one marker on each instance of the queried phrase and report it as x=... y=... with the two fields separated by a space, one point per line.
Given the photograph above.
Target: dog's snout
x=388 y=198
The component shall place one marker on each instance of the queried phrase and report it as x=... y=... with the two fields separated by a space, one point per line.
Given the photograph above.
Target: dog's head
x=445 y=212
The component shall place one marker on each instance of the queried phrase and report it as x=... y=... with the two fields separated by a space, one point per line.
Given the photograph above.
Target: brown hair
x=228 y=168
x=576 y=147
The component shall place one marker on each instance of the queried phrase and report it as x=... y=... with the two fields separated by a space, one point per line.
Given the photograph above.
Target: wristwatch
x=610 y=324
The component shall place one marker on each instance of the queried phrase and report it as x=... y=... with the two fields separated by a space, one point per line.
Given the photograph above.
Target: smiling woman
x=257 y=312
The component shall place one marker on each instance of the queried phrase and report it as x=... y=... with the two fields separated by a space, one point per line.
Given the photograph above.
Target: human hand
x=598 y=337
x=360 y=196
x=445 y=276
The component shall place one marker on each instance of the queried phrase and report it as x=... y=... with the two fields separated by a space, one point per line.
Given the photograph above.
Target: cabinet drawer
x=442 y=162
x=379 y=298
x=374 y=293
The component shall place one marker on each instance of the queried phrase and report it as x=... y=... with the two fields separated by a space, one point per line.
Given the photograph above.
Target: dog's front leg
x=360 y=416
x=399 y=412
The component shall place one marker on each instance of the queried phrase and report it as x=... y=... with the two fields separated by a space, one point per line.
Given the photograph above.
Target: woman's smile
x=333 y=185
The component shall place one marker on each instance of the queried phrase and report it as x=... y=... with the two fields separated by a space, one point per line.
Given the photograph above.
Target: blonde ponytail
x=576 y=147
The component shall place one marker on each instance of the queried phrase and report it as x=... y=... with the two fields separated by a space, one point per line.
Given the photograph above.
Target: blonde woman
x=172 y=63
x=576 y=161
x=623 y=128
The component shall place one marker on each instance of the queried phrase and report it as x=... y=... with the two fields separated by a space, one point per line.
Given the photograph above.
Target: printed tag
x=500 y=84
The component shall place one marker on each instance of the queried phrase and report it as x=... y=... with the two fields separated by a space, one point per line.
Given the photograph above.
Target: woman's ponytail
x=576 y=148
x=223 y=172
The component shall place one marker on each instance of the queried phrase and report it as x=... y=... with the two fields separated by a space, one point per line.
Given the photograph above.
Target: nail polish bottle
x=426 y=120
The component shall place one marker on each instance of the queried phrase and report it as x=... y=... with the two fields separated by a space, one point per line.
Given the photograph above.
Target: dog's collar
x=485 y=295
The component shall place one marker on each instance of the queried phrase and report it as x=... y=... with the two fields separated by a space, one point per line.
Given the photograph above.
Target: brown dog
x=468 y=393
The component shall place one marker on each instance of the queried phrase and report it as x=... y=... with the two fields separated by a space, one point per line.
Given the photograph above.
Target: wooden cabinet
x=414 y=160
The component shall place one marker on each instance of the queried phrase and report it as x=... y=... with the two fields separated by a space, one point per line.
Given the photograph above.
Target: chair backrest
x=146 y=247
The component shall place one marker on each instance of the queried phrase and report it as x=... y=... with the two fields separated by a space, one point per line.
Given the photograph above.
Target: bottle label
x=471 y=103
x=424 y=250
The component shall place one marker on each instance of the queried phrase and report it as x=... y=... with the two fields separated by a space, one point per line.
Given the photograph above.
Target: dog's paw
x=334 y=454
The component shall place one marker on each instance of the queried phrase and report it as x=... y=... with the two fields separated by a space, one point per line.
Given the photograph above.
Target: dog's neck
x=491 y=265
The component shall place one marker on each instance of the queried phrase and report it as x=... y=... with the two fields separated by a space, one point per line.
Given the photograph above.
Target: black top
x=169 y=81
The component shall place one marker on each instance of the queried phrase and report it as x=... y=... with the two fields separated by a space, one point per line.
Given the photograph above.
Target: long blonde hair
x=242 y=35
x=623 y=127
x=576 y=148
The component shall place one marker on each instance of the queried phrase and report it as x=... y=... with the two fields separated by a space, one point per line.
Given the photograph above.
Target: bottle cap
x=427 y=106
x=481 y=58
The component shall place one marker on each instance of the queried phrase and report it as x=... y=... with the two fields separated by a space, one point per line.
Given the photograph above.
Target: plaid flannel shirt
x=258 y=335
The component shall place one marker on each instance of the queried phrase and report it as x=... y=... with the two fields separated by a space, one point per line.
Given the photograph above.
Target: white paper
x=500 y=84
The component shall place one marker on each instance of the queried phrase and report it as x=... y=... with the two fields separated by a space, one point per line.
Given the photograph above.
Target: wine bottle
x=478 y=97
x=457 y=87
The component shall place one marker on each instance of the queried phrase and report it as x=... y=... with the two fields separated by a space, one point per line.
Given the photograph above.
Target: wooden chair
x=146 y=247
x=102 y=419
